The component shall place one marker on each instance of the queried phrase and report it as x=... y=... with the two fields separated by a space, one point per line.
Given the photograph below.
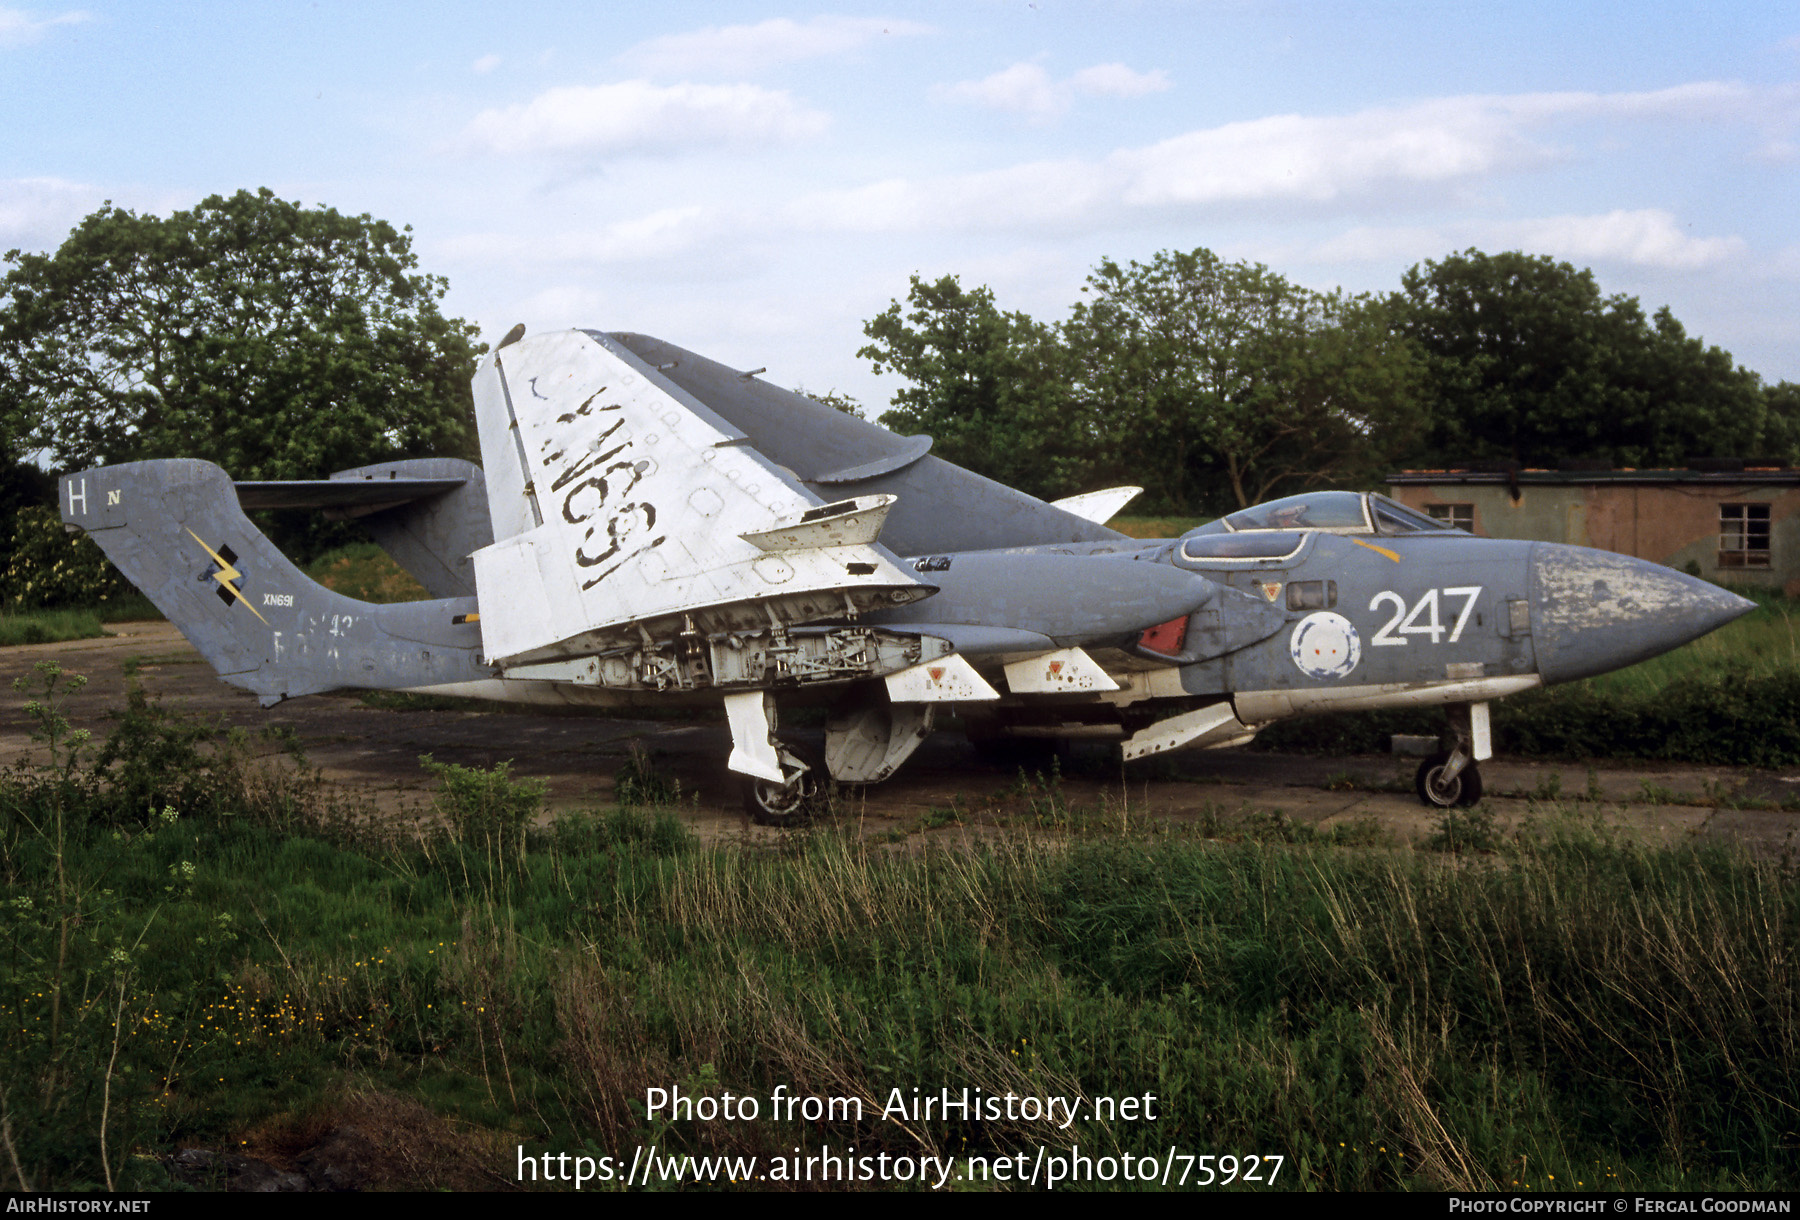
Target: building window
x=1743 y=535
x=1456 y=516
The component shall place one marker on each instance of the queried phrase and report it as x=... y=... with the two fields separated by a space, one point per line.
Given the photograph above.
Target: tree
x=1531 y=364
x=845 y=403
x=989 y=387
x=1781 y=421
x=1222 y=384
x=277 y=341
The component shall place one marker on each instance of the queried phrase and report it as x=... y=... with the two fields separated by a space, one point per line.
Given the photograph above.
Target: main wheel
x=793 y=801
x=1433 y=789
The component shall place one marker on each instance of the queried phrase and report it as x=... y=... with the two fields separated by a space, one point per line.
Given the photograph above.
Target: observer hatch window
x=1743 y=535
x=1456 y=516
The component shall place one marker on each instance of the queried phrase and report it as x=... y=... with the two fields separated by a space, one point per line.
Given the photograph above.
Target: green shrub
x=487 y=811
x=48 y=566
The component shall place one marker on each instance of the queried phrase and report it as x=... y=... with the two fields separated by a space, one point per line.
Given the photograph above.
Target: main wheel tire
x=794 y=801
x=1464 y=789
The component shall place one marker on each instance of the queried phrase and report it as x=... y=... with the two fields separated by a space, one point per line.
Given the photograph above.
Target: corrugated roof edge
x=1750 y=474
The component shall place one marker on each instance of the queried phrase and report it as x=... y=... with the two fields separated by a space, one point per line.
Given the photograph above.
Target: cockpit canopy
x=1330 y=512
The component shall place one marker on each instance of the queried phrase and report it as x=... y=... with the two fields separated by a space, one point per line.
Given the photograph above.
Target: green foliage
x=487 y=811
x=366 y=572
x=991 y=388
x=1217 y=385
x=1732 y=716
x=643 y=782
x=836 y=401
x=1465 y=830
x=660 y=832
x=1781 y=421
x=278 y=341
x=1531 y=364
x=47 y=566
x=1206 y=370
x=1156 y=527
x=47 y=690
x=157 y=757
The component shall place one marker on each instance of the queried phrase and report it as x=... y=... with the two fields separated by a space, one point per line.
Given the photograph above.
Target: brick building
x=1729 y=521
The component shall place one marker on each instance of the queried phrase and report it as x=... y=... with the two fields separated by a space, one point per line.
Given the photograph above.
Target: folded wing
x=624 y=508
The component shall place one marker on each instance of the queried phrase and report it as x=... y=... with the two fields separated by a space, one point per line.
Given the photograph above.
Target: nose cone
x=1595 y=611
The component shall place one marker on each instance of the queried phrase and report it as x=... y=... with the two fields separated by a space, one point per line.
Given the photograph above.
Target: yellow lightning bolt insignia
x=225 y=575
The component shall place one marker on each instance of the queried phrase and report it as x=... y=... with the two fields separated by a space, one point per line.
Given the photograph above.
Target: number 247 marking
x=1409 y=624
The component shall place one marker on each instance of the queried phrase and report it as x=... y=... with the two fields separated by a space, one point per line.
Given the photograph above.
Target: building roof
x=1737 y=476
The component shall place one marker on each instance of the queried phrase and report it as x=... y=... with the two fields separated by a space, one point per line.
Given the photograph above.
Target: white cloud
x=37 y=213
x=635 y=116
x=1695 y=101
x=1644 y=237
x=1368 y=244
x=19 y=28
x=1021 y=89
x=1648 y=237
x=1027 y=89
x=736 y=50
x=1413 y=154
x=662 y=234
x=484 y=65
x=1116 y=80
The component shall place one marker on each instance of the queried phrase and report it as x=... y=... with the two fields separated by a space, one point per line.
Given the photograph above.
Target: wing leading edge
x=941 y=507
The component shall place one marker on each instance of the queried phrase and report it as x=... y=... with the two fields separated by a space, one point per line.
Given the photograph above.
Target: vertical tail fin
x=177 y=532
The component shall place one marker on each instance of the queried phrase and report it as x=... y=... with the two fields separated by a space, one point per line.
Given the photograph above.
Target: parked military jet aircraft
x=648 y=524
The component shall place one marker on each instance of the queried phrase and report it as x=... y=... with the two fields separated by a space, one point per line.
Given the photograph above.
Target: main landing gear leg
x=783 y=784
x=1450 y=777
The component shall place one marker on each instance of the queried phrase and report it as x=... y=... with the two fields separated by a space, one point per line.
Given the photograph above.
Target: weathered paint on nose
x=1596 y=611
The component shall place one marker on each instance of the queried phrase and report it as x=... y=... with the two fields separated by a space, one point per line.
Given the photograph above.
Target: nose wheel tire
x=1462 y=789
x=795 y=800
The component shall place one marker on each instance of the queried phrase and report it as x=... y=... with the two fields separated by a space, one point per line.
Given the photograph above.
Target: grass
x=72 y=622
x=190 y=954
x=364 y=571
x=1156 y=527
x=1764 y=641
x=48 y=626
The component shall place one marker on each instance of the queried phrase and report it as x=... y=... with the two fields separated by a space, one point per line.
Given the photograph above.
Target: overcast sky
x=753 y=181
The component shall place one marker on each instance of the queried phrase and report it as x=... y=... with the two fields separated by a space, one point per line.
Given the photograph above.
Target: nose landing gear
x=1450 y=777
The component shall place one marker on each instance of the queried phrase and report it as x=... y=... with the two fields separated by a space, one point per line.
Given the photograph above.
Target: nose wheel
x=792 y=802
x=1443 y=785
x=1449 y=777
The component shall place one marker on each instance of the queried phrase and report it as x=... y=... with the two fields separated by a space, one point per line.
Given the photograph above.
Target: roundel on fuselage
x=1325 y=645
